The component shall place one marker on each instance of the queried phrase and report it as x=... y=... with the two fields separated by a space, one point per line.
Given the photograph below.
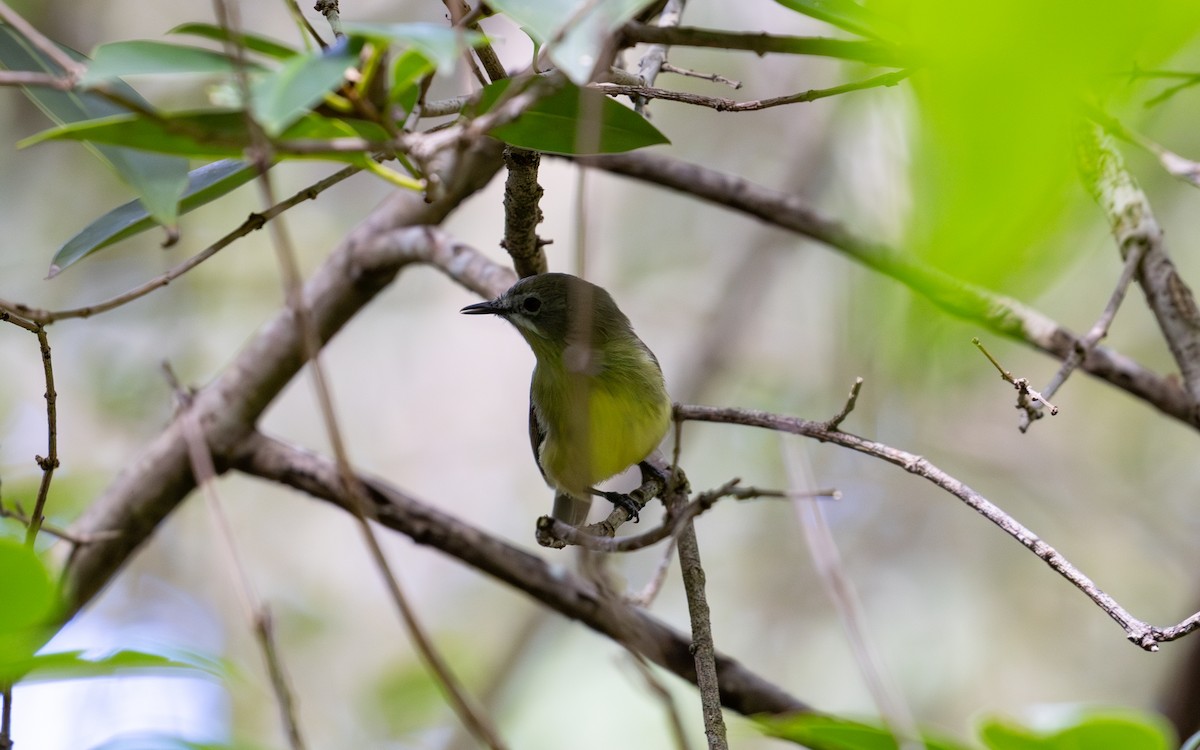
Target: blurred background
x=967 y=621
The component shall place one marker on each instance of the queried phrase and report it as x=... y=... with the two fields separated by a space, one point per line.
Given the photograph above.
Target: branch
x=358 y=269
x=1133 y=224
x=1144 y=635
x=553 y=586
x=253 y=222
x=722 y=104
x=1001 y=314
x=762 y=43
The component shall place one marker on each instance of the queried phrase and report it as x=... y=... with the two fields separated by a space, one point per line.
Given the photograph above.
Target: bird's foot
x=621 y=500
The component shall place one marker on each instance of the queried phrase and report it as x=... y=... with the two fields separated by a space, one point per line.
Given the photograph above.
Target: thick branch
x=565 y=592
x=1134 y=226
x=762 y=43
x=999 y=313
x=150 y=488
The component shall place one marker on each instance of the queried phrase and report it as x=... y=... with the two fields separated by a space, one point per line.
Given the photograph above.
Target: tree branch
x=762 y=43
x=562 y=591
x=150 y=488
x=1143 y=634
x=1001 y=314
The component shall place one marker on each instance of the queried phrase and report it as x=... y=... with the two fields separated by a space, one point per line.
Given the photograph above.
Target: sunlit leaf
x=1077 y=727
x=209 y=134
x=252 y=42
x=281 y=97
x=158 y=741
x=205 y=185
x=118 y=59
x=845 y=14
x=26 y=588
x=441 y=45
x=574 y=120
x=997 y=107
x=579 y=49
x=823 y=732
x=63 y=665
x=158 y=180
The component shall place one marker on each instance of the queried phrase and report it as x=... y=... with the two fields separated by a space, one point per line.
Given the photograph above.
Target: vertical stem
x=702 y=638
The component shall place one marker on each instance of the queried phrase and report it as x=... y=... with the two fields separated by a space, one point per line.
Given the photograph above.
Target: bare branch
x=721 y=104
x=1144 y=635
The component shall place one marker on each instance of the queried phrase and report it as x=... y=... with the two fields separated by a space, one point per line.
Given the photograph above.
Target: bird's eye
x=531 y=304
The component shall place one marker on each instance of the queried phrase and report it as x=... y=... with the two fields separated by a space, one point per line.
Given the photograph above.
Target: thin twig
x=1142 y=634
x=6 y=695
x=688 y=73
x=721 y=104
x=837 y=419
x=71 y=69
x=49 y=462
x=1027 y=397
x=655 y=685
x=205 y=473
x=252 y=223
x=823 y=550
x=1094 y=335
x=655 y=59
x=30 y=78
x=56 y=531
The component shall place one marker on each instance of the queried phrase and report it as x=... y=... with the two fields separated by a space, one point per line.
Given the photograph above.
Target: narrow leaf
x=252 y=42
x=205 y=185
x=586 y=34
x=556 y=124
x=74 y=664
x=847 y=15
x=284 y=96
x=158 y=180
x=208 y=133
x=439 y=44
x=111 y=61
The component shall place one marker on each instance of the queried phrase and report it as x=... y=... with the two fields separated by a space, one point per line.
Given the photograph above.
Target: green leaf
x=118 y=59
x=26 y=588
x=579 y=49
x=410 y=67
x=158 y=741
x=1079 y=728
x=252 y=42
x=282 y=97
x=74 y=665
x=847 y=15
x=556 y=124
x=205 y=185
x=822 y=732
x=439 y=44
x=158 y=180
x=209 y=134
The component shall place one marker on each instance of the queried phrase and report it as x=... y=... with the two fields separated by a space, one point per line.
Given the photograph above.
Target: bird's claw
x=621 y=500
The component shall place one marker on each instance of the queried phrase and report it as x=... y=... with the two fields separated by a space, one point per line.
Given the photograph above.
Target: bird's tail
x=570 y=509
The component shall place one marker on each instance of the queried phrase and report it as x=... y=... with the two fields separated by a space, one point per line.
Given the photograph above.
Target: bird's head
x=552 y=309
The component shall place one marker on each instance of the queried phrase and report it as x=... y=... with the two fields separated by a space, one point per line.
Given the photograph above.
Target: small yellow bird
x=597 y=403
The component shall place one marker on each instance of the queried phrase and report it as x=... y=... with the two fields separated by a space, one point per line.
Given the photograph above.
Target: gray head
x=551 y=308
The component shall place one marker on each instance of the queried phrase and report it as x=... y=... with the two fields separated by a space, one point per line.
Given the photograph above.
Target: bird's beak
x=484 y=308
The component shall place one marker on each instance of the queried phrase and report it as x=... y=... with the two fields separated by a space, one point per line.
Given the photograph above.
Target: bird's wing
x=537 y=436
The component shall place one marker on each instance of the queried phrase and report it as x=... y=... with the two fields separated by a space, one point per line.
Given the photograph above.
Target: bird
x=598 y=403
